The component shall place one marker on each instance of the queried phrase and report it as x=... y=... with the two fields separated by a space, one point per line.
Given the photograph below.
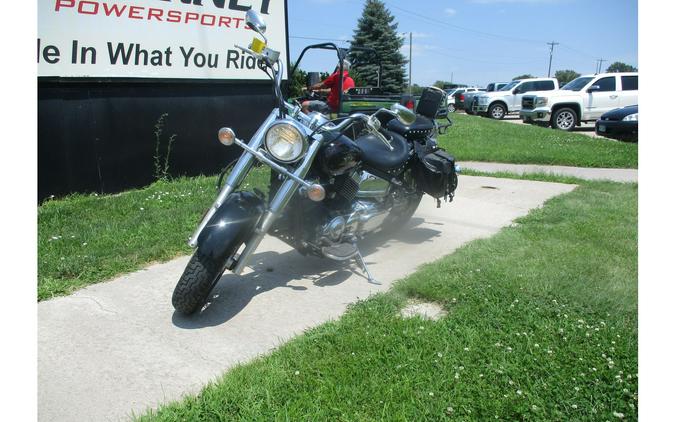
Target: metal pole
x=410 y=67
x=550 y=59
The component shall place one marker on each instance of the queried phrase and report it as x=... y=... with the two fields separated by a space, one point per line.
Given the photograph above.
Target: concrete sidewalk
x=117 y=347
x=616 y=175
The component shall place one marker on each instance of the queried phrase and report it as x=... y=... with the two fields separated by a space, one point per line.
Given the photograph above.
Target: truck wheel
x=564 y=119
x=497 y=111
x=451 y=108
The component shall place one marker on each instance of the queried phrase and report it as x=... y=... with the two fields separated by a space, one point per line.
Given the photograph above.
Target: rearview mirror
x=593 y=88
x=404 y=115
x=255 y=21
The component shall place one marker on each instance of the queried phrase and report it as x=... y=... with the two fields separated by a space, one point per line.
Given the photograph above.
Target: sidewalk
x=117 y=347
x=615 y=175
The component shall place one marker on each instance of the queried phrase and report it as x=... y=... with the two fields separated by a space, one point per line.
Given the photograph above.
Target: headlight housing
x=286 y=141
x=540 y=101
x=631 y=118
x=482 y=100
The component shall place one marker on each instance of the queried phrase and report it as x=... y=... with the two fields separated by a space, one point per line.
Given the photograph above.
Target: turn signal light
x=226 y=136
x=316 y=193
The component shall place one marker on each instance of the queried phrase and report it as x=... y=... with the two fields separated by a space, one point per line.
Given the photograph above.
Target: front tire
x=194 y=286
x=497 y=111
x=564 y=119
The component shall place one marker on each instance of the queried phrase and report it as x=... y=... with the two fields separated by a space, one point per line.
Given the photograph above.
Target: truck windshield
x=510 y=85
x=577 y=84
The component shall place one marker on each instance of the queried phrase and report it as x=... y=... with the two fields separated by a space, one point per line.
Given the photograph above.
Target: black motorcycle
x=332 y=182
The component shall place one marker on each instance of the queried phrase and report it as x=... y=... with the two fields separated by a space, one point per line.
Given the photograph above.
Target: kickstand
x=360 y=260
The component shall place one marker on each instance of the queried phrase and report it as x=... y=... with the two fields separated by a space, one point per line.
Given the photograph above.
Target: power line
x=461 y=28
x=318 y=39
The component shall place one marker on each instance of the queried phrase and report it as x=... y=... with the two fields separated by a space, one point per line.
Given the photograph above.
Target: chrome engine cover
x=368 y=211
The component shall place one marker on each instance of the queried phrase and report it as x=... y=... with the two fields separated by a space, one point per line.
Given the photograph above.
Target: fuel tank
x=339 y=155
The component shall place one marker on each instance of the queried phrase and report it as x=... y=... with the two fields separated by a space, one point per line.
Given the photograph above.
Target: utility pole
x=410 y=66
x=550 y=59
x=599 y=65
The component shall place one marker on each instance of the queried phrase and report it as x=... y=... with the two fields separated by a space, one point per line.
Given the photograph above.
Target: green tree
x=525 y=76
x=564 y=76
x=620 y=67
x=376 y=29
x=298 y=82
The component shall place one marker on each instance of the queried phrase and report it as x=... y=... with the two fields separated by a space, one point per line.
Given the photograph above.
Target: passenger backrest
x=430 y=102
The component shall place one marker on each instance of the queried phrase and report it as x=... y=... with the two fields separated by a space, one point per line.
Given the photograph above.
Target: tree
x=564 y=76
x=525 y=76
x=376 y=29
x=298 y=83
x=620 y=67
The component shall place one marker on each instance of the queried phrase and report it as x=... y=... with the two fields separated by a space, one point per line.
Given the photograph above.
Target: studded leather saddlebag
x=434 y=172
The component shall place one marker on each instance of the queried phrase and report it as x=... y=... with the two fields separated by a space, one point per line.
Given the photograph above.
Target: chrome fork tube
x=281 y=199
x=238 y=173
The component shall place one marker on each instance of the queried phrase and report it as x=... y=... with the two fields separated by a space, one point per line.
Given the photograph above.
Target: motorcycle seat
x=420 y=129
x=377 y=155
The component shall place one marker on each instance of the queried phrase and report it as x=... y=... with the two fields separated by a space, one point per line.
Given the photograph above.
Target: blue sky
x=479 y=41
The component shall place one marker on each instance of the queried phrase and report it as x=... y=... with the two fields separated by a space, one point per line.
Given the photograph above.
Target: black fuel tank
x=338 y=156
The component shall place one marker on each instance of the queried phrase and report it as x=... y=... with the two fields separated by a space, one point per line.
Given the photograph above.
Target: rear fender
x=231 y=225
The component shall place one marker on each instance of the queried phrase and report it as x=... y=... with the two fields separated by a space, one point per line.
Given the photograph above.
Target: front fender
x=231 y=225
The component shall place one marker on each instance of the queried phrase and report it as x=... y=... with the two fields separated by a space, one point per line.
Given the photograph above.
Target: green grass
x=84 y=239
x=541 y=325
x=474 y=138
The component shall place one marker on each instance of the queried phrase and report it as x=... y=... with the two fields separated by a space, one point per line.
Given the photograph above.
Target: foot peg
x=345 y=251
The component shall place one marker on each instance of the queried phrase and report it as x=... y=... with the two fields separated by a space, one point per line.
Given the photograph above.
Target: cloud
x=450 y=11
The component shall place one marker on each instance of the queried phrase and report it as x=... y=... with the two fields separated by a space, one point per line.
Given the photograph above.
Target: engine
x=370 y=206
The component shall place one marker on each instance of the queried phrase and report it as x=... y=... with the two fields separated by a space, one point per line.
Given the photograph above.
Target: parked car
x=620 y=123
x=584 y=99
x=470 y=98
x=450 y=92
x=460 y=96
x=508 y=99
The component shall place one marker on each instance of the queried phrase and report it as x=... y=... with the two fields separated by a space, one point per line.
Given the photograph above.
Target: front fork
x=236 y=176
x=281 y=198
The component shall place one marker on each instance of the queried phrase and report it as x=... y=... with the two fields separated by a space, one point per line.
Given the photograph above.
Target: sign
x=190 y=39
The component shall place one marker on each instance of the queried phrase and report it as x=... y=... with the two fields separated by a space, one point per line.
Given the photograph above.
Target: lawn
x=84 y=239
x=474 y=138
x=541 y=324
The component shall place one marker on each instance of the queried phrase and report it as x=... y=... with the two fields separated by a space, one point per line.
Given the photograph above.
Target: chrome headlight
x=286 y=141
x=540 y=101
x=631 y=118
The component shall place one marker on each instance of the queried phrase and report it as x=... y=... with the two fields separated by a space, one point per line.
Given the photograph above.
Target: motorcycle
x=332 y=182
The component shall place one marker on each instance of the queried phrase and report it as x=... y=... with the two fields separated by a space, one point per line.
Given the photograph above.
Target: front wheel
x=497 y=111
x=564 y=119
x=194 y=286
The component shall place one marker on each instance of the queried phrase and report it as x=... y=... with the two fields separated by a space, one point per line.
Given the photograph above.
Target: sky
x=475 y=42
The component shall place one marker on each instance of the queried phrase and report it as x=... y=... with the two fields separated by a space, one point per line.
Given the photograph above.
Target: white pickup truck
x=508 y=99
x=584 y=99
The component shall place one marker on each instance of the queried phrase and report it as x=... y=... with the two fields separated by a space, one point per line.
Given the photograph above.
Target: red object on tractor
x=410 y=104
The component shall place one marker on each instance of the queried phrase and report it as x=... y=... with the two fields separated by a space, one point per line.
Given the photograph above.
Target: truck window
x=577 y=84
x=629 y=83
x=544 y=86
x=606 y=84
x=527 y=87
